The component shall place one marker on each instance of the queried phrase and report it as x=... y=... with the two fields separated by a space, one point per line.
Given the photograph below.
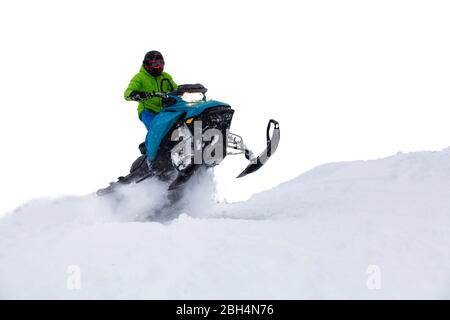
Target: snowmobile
x=191 y=132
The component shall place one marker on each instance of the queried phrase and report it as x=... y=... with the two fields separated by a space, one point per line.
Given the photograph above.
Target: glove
x=140 y=96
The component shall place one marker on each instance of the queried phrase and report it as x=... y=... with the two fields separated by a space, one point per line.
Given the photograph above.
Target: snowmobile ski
x=272 y=145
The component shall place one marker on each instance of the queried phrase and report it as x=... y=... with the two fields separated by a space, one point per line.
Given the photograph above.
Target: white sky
x=346 y=79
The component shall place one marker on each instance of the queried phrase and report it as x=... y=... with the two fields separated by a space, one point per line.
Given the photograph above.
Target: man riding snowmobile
x=187 y=132
x=150 y=79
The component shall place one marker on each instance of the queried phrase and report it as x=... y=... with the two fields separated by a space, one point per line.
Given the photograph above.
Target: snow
x=320 y=235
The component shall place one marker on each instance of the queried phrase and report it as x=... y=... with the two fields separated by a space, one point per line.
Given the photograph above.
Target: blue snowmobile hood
x=169 y=116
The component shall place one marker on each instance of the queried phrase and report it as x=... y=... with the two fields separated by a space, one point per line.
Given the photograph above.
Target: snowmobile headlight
x=192 y=96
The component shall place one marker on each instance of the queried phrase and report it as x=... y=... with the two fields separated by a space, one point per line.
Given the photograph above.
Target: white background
x=346 y=79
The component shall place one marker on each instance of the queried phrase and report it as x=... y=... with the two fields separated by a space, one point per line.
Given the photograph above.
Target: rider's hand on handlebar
x=140 y=95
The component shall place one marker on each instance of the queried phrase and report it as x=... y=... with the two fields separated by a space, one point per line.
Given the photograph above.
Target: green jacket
x=143 y=81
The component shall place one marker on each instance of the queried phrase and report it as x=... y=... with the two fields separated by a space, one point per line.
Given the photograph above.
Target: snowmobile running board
x=272 y=145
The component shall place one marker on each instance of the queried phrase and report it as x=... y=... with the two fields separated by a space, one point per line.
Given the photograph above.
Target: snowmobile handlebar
x=182 y=88
x=152 y=94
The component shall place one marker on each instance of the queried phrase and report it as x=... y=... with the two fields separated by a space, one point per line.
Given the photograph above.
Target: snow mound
x=363 y=229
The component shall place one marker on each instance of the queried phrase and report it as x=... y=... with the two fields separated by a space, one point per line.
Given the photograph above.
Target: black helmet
x=154 y=63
